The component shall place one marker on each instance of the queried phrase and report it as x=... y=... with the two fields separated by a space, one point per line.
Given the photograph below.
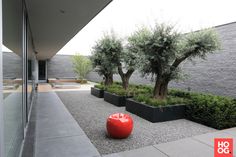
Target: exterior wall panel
x=60 y=66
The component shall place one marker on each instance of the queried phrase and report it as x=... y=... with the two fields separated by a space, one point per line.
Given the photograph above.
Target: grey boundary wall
x=60 y=66
x=215 y=75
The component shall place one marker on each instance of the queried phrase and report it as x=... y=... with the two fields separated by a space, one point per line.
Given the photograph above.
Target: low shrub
x=131 y=91
x=171 y=100
x=180 y=93
x=214 y=111
x=116 y=88
x=99 y=86
x=119 y=91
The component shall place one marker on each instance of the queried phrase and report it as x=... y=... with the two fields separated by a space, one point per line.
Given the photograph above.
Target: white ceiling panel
x=54 y=22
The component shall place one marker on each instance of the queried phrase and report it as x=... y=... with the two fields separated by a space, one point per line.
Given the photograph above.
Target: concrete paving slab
x=76 y=146
x=149 y=151
x=231 y=131
x=186 y=148
x=58 y=129
x=209 y=137
x=57 y=133
x=112 y=155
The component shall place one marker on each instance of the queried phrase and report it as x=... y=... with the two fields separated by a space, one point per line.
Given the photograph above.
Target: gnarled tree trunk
x=108 y=79
x=160 y=89
x=125 y=76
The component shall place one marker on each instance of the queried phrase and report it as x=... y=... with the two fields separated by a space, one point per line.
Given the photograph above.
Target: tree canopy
x=162 y=50
x=105 y=55
x=154 y=51
x=82 y=65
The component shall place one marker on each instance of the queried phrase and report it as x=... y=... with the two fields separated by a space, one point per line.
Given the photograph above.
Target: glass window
x=31 y=70
x=12 y=76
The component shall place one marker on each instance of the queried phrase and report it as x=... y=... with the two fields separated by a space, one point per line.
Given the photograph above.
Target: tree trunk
x=125 y=82
x=125 y=76
x=160 y=89
x=108 y=80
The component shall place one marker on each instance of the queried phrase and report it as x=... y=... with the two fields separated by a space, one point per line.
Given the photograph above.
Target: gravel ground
x=91 y=113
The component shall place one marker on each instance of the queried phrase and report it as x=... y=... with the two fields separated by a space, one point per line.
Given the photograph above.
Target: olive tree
x=163 y=50
x=81 y=65
x=127 y=61
x=104 y=56
x=129 y=57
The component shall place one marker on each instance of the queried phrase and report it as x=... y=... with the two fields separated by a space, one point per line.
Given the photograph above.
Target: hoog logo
x=223 y=147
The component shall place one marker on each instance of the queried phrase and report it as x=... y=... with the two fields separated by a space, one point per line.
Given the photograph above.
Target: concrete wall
x=217 y=74
x=60 y=66
x=12 y=65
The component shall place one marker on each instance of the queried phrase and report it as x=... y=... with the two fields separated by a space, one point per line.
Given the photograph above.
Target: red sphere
x=119 y=125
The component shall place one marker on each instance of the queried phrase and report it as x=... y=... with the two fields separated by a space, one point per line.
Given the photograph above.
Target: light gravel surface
x=91 y=113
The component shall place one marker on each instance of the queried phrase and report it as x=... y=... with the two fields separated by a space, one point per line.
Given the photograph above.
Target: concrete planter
x=115 y=99
x=156 y=114
x=97 y=92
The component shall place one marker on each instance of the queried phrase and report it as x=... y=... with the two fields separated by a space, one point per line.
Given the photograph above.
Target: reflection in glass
x=31 y=70
x=12 y=76
x=12 y=93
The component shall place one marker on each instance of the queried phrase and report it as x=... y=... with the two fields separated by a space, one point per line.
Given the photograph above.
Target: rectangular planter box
x=115 y=99
x=97 y=92
x=156 y=114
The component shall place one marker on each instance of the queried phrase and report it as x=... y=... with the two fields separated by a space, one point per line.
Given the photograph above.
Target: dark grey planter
x=115 y=99
x=97 y=92
x=155 y=114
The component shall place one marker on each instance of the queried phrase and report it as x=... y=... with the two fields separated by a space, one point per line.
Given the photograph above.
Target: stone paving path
x=91 y=113
x=197 y=146
x=56 y=133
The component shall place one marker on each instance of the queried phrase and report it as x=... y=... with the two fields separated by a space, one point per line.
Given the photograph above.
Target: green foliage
x=117 y=89
x=131 y=55
x=198 y=44
x=158 y=50
x=170 y=100
x=100 y=86
x=162 y=49
x=105 y=54
x=82 y=65
x=215 y=111
x=181 y=93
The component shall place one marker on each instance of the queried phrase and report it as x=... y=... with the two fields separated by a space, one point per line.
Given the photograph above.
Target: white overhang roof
x=54 y=22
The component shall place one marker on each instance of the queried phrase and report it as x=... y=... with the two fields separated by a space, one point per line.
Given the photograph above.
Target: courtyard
x=91 y=113
x=82 y=130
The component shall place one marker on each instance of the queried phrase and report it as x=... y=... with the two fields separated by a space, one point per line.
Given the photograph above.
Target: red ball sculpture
x=119 y=125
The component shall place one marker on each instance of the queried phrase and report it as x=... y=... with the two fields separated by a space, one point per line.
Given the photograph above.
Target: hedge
x=215 y=111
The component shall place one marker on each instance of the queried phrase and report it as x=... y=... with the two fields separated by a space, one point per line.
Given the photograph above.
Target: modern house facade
x=34 y=31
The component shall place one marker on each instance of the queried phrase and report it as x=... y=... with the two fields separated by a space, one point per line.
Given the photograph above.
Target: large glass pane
x=31 y=70
x=12 y=76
